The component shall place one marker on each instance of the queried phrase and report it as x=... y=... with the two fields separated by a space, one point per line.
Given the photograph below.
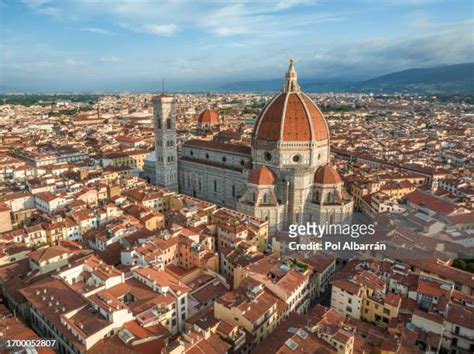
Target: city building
x=285 y=177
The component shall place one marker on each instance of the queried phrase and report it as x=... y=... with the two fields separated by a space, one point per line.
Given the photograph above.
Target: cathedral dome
x=327 y=175
x=262 y=176
x=291 y=116
x=208 y=116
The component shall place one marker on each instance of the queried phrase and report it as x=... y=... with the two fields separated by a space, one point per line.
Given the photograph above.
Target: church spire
x=291 y=84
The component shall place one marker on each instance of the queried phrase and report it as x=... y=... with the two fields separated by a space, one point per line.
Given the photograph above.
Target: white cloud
x=96 y=30
x=450 y=44
x=42 y=7
x=288 y=4
x=111 y=60
x=247 y=39
x=162 y=30
x=71 y=61
x=219 y=18
x=35 y=3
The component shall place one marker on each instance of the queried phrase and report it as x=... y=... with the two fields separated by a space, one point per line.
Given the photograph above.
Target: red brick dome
x=262 y=176
x=208 y=116
x=327 y=175
x=291 y=116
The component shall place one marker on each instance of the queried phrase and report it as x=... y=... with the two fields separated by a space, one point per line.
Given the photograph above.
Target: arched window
x=329 y=197
x=316 y=196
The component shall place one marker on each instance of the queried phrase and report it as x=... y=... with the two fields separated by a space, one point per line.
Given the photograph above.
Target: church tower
x=164 y=118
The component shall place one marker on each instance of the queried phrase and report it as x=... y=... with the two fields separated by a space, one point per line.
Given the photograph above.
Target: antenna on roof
x=162 y=85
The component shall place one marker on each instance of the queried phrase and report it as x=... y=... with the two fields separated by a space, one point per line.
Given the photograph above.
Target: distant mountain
x=443 y=79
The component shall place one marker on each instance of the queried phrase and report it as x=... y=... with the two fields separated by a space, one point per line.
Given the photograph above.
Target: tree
x=460 y=264
x=470 y=267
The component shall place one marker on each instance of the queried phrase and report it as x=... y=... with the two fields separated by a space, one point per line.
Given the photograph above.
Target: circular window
x=296 y=158
x=224 y=159
x=268 y=156
x=242 y=162
x=207 y=156
x=191 y=153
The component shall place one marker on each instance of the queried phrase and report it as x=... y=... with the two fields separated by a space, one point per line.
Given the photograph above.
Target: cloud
x=258 y=20
x=233 y=40
x=35 y=3
x=221 y=19
x=42 y=7
x=162 y=30
x=97 y=30
x=450 y=44
x=70 y=61
x=230 y=20
x=288 y=4
x=111 y=60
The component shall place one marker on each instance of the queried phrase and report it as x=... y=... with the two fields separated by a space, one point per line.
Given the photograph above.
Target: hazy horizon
x=86 y=45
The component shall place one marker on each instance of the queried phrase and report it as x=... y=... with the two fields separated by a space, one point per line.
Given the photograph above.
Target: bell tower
x=164 y=119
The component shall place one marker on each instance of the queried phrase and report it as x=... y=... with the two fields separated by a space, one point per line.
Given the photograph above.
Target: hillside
x=444 y=79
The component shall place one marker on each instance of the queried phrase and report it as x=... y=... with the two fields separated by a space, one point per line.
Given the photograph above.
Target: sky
x=91 y=45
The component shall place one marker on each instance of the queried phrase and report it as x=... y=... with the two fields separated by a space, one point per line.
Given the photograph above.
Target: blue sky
x=130 y=44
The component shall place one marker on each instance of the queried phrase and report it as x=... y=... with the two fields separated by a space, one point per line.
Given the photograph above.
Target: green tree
x=460 y=264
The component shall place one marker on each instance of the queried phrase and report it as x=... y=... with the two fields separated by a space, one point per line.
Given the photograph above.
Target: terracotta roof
x=431 y=202
x=128 y=138
x=291 y=116
x=209 y=292
x=212 y=145
x=44 y=254
x=163 y=279
x=393 y=299
x=431 y=288
x=262 y=176
x=208 y=116
x=464 y=218
x=14 y=328
x=54 y=298
x=461 y=315
x=327 y=175
x=46 y=196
